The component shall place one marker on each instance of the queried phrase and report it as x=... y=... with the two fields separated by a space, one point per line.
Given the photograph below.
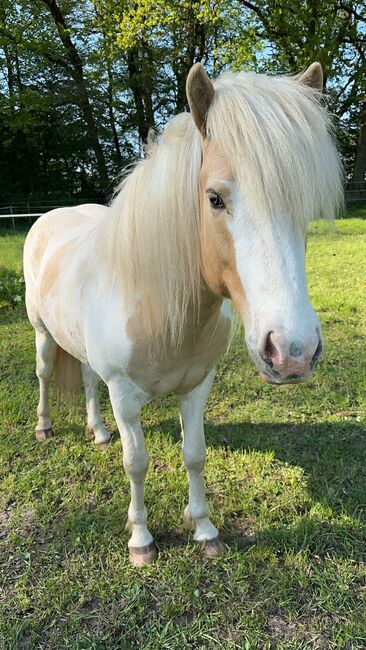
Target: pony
x=138 y=293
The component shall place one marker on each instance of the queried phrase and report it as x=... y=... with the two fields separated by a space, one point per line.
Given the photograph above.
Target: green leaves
x=82 y=83
x=12 y=288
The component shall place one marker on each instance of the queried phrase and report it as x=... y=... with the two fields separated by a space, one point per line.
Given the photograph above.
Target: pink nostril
x=290 y=361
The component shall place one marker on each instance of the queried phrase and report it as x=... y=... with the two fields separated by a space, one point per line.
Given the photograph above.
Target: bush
x=12 y=288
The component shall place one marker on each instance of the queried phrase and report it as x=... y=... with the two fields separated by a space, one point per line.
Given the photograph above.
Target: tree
x=329 y=31
x=48 y=53
x=359 y=172
x=83 y=83
x=76 y=69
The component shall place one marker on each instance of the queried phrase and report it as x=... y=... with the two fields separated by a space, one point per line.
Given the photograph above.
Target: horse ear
x=200 y=93
x=313 y=76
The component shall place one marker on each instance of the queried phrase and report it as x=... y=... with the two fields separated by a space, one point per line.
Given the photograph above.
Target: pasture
x=286 y=478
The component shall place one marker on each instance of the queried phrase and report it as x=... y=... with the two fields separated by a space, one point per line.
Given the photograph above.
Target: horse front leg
x=192 y=408
x=127 y=401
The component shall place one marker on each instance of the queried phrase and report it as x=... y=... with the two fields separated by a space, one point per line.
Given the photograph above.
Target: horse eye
x=216 y=201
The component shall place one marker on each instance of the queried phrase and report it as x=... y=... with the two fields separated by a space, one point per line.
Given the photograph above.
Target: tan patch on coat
x=179 y=371
x=217 y=246
x=39 y=244
x=53 y=269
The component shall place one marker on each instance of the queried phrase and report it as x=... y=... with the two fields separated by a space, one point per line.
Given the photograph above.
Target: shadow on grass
x=80 y=530
x=356 y=209
x=332 y=455
x=319 y=538
x=7 y=229
x=12 y=315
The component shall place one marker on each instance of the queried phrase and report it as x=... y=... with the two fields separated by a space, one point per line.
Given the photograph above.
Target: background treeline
x=82 y=82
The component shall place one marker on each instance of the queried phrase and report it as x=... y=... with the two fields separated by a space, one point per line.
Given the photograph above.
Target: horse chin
x=267 y=378
x=280 y=381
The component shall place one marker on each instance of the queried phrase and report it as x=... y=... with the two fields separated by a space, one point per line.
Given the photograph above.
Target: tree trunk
x=358 y=182
x=196 y=44
x=111 y=112
x=141 y=120
x=9 y=69
x=78 y=76
x=148 y=87
x=17 y=68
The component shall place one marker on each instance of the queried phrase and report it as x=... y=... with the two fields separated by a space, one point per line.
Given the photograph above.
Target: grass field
x=286 y=478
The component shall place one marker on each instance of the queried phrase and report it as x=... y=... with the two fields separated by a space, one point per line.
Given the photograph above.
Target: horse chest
x=180 y=379
x=180 y=371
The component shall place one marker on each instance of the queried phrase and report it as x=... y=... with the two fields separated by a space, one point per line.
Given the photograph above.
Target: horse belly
x=179 y=381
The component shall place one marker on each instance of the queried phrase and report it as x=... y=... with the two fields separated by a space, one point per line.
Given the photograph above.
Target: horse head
x=269 y=165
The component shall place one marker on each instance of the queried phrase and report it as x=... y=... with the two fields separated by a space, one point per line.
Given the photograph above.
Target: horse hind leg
x=95 y=428
x=45 y=347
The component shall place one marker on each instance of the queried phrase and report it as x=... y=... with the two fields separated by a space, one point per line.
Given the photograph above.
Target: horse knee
x=136 y=465
x=194 y=462
x=44 y=369
x=44 y=360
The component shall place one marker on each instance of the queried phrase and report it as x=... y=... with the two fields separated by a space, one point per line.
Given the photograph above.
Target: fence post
x=11 y=212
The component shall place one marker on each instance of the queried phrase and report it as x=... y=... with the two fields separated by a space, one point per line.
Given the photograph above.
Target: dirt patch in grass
x=4 y=519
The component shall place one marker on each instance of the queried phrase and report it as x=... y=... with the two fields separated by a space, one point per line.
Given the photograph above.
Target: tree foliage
x=82 y=83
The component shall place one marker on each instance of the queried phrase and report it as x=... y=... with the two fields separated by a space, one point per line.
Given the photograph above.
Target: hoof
x=188 y=520
x=89 y=433
x=102 y=445
x=214 y=547
x=143 y=555
x=44 y=434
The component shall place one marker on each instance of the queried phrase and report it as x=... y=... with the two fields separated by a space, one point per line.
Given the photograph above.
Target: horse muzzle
x=284 y=362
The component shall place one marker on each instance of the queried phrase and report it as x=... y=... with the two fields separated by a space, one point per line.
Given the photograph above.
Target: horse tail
x=67 y=374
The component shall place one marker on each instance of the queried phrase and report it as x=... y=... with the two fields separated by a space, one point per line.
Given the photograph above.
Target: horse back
x=57 y=229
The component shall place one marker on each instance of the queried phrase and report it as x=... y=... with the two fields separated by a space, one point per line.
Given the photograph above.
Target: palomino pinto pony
x=136 y=292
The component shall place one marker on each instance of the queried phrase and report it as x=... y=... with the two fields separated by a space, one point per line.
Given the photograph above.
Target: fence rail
x=355 y=195
x=354 y=192
x=20 y=216
x=26 y=211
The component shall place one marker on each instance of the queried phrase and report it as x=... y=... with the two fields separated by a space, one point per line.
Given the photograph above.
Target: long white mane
x=153 y=238
x=277 y=135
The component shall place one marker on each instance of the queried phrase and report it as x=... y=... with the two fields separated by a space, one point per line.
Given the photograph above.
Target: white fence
x=354 y=192
x=20 y=216
x=28 y=211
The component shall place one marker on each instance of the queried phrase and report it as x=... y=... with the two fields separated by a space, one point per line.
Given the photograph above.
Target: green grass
x=11 y=249
x=286 y=478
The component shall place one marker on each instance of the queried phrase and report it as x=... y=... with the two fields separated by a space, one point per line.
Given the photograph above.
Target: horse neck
x=208 y=307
